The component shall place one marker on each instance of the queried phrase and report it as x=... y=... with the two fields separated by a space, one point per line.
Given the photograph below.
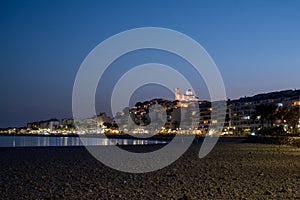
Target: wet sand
x=233 y=170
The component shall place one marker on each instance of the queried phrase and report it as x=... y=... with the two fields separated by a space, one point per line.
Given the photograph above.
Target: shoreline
x=277 y=140
x=125 y=136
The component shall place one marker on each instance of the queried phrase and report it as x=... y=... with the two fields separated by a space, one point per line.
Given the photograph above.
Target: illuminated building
x=188 y=96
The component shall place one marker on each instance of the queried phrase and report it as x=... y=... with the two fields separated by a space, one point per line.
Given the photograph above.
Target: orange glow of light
x=296 y=103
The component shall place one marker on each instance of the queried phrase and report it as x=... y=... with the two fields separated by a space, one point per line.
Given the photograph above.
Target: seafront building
x=241 y=111
x=51 y=126
x=67 y=126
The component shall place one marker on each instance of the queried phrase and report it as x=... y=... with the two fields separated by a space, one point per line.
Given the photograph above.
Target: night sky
x=255 y=44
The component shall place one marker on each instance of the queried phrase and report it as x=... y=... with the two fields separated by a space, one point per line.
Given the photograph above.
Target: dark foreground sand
x=233 y=170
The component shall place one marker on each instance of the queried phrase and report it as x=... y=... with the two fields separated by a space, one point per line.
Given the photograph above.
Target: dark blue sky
x=255 y=44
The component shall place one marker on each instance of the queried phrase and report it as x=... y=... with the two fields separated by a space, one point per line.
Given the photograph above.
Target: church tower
x=177 y=94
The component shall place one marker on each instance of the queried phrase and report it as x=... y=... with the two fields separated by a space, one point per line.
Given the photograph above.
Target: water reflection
x=34 y=141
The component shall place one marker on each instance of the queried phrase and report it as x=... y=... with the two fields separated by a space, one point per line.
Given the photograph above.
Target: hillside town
x=247 y=115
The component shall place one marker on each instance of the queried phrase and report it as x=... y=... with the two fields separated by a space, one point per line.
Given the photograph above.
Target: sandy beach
x=233 y=170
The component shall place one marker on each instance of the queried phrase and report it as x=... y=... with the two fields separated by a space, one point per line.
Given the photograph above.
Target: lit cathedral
x=188 y=96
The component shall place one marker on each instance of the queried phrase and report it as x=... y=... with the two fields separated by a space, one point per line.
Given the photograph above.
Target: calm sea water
x=36 y=141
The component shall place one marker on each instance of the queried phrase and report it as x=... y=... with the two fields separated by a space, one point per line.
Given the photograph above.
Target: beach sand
x=233 y=170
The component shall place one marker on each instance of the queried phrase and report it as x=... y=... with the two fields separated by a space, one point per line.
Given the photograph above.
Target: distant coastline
x=247 y=115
